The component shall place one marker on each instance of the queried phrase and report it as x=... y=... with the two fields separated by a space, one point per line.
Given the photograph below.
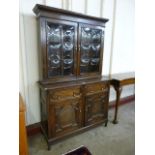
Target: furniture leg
x=106 y=123
x=49 y=147
x=118 y=94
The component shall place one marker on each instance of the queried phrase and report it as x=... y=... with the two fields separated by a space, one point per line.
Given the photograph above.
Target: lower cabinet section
x=65 y=110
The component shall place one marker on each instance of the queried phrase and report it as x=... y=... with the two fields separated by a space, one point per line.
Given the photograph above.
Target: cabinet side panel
x=42 y=48
x=107 y=100
x=44 y=113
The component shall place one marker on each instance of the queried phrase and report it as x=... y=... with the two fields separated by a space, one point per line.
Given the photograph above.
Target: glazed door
x=61 y=40
x=90 y=46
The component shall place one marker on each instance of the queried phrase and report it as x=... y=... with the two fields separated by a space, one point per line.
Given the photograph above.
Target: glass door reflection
x=60 y=49
x=90 y=47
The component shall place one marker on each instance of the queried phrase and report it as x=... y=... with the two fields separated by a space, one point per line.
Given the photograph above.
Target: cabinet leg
x=115 y=121
x=49 y=147
x=106 y=123
x=118 y=94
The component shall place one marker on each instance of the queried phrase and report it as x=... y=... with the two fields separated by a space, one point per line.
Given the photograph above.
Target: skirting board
x=35 y=128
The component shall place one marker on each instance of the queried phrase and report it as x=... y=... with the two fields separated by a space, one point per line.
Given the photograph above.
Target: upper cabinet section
x=71 y=44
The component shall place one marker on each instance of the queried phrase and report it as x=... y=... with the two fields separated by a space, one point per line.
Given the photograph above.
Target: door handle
x=76 y=94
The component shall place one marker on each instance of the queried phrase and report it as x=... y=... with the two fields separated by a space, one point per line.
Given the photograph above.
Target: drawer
x=96 y=87
x=65 y=93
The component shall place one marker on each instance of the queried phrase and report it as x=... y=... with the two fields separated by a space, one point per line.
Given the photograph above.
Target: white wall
x=123 y=49
x=118 y=51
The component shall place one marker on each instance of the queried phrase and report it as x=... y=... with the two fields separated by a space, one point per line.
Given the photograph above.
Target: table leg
x=118 y=94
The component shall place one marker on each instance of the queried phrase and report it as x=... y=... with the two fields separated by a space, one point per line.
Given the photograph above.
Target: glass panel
x=90 y=49
x=68 y=47
x=60 y=46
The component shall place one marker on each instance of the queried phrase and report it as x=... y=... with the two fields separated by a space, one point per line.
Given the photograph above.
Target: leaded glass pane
x=60 y=49
x=90 y=49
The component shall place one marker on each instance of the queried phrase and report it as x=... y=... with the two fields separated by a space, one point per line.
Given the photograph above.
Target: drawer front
x=65 y=93
x=96 y=88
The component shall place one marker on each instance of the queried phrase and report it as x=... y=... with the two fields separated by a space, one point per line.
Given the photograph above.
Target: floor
x=116 y=139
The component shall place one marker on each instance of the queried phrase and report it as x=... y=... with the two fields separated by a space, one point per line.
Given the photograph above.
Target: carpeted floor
x=111 y=140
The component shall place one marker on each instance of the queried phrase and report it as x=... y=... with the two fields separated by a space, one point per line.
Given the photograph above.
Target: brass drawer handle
x=56 y=97
x=76 y=94
x=92 y=91
x=104 y=89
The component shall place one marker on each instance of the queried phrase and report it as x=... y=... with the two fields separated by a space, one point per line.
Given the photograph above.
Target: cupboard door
x=67 y=116
x=65 y=112
x=96 y=102
x=61 y=39
x=95 y=108
x=90 y=50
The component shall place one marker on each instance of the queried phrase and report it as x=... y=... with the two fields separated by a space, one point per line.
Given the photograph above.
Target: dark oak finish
x=71 y=107
x=118 y=81
x=74 y=96
x=71 y=44
x=35 y=128
x=46 y=11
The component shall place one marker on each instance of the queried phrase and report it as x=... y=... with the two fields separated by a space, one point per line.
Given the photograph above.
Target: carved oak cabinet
x=74 y=96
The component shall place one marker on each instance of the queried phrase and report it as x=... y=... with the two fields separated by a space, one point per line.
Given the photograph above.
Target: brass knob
x=76 y=94
x=92 y=91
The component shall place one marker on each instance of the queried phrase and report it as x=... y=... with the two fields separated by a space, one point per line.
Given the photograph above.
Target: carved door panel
x=67 y=115
x=95 y=108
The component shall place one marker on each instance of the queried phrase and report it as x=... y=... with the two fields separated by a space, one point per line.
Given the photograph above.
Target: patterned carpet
x=111 y=140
